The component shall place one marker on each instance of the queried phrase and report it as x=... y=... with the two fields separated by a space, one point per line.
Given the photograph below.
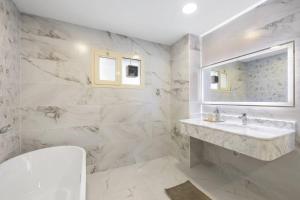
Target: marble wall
x=180 y=96
x=253 y=31
x=185 y=55
x=9 y=80
x=59 y=106
x=194 y=74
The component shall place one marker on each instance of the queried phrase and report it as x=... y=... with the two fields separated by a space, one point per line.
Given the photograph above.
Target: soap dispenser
x=216 y=115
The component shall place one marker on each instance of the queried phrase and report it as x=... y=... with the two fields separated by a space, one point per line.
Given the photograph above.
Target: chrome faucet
x=217 y=114
x=244 y=118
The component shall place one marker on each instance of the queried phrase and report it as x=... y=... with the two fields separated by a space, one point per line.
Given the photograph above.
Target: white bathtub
x=56 y=173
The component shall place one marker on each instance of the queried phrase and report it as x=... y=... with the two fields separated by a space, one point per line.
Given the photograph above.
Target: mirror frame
x=290 y=46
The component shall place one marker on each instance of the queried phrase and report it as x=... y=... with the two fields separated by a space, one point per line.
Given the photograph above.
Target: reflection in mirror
x=224 y=84
x=261 y=78
x=107 y=69
x=214 y=84
x=219 y=80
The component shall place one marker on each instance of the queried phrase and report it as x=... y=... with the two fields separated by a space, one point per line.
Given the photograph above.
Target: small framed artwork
x=132 y=71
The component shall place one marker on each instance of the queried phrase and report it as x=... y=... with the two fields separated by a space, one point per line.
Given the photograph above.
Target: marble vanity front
x=265 y=143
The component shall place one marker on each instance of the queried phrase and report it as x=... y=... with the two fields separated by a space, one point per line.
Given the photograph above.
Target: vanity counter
x=254 y=131
x=260 y=142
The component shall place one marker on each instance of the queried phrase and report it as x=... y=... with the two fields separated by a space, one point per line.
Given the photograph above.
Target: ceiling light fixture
x=189 y=8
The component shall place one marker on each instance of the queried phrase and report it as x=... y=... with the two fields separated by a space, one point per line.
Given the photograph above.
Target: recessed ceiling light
x=189 y=8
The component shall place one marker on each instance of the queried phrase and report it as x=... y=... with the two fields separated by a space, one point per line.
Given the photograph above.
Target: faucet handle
x=217 y=110
x=244 y=118
x=243 y=115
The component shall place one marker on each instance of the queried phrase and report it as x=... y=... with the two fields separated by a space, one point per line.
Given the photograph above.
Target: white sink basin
x=260 y=142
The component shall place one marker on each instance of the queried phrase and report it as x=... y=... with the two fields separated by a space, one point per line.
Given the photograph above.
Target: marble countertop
x=264 y=140
x=253 y=131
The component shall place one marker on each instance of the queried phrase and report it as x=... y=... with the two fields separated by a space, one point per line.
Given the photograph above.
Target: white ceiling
x=154 y=20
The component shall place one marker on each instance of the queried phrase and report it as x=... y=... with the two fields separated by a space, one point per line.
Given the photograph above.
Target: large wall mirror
x=263 y=78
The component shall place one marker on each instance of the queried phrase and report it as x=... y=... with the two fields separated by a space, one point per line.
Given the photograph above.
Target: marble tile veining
x=185 y=55
x=9 y=84
x=121 y=127
x=277 y=179
x=148 y=180
x=263 y=143
x=59 y=106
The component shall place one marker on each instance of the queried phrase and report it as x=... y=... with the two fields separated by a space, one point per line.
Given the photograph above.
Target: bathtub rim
x=42 y=149
x=83 y=165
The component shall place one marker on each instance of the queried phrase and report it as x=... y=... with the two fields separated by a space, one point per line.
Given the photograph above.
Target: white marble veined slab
x=255 y=131
x=265 y=143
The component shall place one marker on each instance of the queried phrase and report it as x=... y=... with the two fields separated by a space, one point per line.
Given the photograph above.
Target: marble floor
x=147 y=181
